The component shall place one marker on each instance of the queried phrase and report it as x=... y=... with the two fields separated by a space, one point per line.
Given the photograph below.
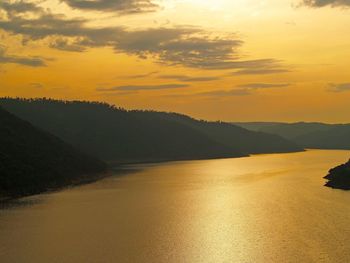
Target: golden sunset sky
x=231 y=60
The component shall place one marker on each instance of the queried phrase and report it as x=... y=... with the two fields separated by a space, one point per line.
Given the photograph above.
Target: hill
x=339 y=177
x=308 y=135
x=237 y=137
x=335 y=137
x=287 y=130
x=115 y=134
x=32 y=161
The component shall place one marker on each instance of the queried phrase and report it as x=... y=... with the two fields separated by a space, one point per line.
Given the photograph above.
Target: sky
x=230 y=60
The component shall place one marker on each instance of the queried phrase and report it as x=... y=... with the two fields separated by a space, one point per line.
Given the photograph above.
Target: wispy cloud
x=141 y=76
x=36 y=85
x=21 y=60
x=242 y=90
x=338 y=87
x=185 y=78
x=261 y=71
x=119 y=6
x=322 y=3
x=263 y=85
x=143 y=87
x=226 y=93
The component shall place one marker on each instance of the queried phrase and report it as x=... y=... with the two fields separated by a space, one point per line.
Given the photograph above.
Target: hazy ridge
x=307 y=135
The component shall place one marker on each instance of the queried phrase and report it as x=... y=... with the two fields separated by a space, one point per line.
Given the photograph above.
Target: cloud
x=340 y=87
x=120 y=6
x=263 y=85
x=183 y=46
x=13 y=8
x=226 y=93
x=66 y=45
x=36 y=85
x=322 y=3
x=25 y=61
x=261 y=71
x=141 y=76
x=185 y=78
x=144 y=87
x=186 y=46
x=242 y=90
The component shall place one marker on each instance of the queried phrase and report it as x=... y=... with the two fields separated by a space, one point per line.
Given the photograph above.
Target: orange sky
x=243 y=60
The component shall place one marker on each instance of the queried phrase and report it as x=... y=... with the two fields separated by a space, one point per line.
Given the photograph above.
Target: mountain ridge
x=116 y=134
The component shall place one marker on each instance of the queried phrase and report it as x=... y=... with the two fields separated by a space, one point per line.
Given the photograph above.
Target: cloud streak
x=339 y=87
x=226 y=93
x=141 y=76
x=323 y=3
x=119 y=6
x=243 y=90
x=143 y=87
x=185 y=78
x=262 y=71
x=25 y=61
x=263 y=85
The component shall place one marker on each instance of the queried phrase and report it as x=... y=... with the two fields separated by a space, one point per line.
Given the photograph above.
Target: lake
x=264 y=208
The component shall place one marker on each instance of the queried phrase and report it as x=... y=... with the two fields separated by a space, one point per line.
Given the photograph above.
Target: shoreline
x=82 y=181
x=115 y=164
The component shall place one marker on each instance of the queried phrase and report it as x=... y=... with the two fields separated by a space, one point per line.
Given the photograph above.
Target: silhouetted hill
x=115 y=134
x=234 y=136
x=308 y=135
x=256 y=126
x=339 y=177
x=31 y=160
x=287 y=130
x=336 y=137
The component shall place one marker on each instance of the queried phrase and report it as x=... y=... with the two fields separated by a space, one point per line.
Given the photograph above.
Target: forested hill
x=115 y=134
x=339 y=177
x=32 y=161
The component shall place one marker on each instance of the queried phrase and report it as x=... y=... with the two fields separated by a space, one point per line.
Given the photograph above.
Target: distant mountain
x=287 y=130
x=339 y=177
x=308 y=135
x=256 y=126
x=115 y=134
x=32 y=161
x=336 y=137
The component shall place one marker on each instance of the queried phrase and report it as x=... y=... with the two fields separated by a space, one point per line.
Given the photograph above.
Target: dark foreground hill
x=339 y=177
x=115 y=134
x=308 y=135
x=32 y=161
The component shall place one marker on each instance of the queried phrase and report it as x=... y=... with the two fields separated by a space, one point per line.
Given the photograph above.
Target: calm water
x=266 y=208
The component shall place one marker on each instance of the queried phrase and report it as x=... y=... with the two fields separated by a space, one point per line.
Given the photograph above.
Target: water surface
x=265 y=208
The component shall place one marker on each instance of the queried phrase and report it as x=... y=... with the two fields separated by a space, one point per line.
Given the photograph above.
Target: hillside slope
x=32 y=161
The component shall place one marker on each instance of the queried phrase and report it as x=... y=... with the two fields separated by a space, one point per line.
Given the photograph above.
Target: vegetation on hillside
x=32 y=161
x=116 y=134
x=339 y=177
